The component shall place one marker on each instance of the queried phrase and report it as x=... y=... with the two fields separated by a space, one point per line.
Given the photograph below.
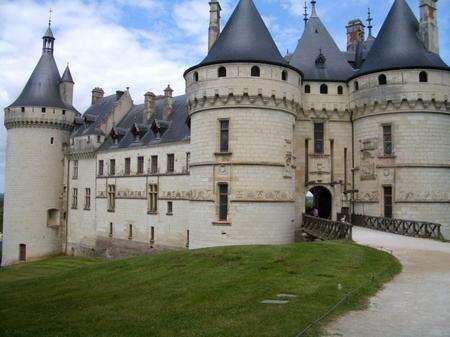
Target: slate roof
x=398 y=45
x=156 y=131
x=316 y=41
x=67 y=76
x=245 y=38
x=173 y=129
x=42 y=88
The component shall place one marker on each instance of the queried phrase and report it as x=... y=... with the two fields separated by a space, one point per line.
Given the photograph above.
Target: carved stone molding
x=47 y=123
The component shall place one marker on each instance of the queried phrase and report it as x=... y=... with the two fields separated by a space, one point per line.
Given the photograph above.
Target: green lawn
x=210 y=292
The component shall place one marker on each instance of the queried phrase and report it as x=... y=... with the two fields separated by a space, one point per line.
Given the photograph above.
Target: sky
x=147 y=44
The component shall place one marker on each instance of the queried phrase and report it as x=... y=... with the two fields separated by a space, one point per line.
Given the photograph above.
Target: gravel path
x=416 y=303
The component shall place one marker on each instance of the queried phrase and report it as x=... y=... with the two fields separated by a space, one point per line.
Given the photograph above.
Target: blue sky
x=147 y=44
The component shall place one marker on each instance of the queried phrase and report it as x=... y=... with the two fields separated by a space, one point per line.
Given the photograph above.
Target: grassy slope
x=210 y=292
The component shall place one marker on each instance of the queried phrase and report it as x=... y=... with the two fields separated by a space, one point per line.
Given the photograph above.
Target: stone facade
x=126 y=179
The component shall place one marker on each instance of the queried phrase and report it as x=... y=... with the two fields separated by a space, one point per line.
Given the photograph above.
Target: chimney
x=149 y=104
x=429 y=32
x=214 y=22
x=168 y=102
x=355 y=34
x=119 y=94
x=97 y=95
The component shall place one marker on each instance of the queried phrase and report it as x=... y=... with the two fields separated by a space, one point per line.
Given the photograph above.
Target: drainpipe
x=353 y=164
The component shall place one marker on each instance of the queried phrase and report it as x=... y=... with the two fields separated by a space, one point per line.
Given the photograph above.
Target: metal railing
x=419 y=229
x=326 y=229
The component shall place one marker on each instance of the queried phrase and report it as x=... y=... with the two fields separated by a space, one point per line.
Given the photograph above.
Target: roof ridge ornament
x=369 y=22
x=305 y=15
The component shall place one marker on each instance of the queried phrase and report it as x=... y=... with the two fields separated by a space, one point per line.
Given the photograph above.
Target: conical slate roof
x=398 y=46
x=316 y=41
x=67 y=76
x=245 y=38
x=42 y=89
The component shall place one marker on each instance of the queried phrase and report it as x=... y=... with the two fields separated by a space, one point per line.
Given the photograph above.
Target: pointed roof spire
x=305 y=15
x=245 y=38
x=369 y=23
x=67 y=76
x=318 y=56
x=313 y=10
x=398 y=45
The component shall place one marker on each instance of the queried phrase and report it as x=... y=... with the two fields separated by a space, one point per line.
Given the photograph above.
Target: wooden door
x=22 y=252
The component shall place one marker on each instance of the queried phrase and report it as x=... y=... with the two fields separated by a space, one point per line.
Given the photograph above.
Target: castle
x=231 y=161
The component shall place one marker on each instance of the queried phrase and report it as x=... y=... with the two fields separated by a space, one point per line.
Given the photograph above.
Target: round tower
x=399 y=101
x=242 y=99
x=38 y=124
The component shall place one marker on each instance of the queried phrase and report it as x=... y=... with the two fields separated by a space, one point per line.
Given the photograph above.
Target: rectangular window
x=318 y=138
x=188 y=239
x=130 y=232
x=100 y=167
x=224 y=135
x=170 y=163
x=111 y=198
x=169 y=208
x=75 y=169
x=387 y=140
x=154 y=164
x=127 y=166
x=223 y=202
x=152 y=235
x=87 y=199
x=140 y=165
x=75 y=198
x=43 y=110
x=22 y=109
x=22 y=252
x=111 y=230
x=112 y=167
x=188 y=161
x=153 y=198
x=387 y=191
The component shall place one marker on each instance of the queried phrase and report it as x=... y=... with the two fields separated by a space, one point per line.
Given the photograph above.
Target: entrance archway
x=322 y=200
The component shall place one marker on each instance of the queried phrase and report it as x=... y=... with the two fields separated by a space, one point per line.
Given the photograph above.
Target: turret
x=243 y=98
x=429 y=31
x=66 y=87
x=39 y=123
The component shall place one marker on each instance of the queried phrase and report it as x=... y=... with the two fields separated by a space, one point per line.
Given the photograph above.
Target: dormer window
x=321 y=60
x=382 y=80
x=284 y=75
x=307 y=89
x=255 y=71
x=423 y=77
x=324 y=89
x=222 y=72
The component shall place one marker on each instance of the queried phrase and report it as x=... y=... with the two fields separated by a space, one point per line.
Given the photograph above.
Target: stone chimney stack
x=168 y=102
x=97 y=95
x=355 y=34
x=429 y=31
x=149 y=105
x=214 y=22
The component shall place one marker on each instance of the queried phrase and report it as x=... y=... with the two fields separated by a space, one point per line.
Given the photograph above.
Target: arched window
x=423 y=77
x=382 y=80
x=324 y=89
x=222 y=72
x=307 y=89
x=284 y=75
x=340 y=90
x=356 y=84
x=255 y=72
x=196 y=77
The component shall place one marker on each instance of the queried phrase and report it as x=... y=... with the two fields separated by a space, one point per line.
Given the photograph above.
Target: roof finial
x=313 y=10
x=369 y=21
x=50 y=17
x=306 y=13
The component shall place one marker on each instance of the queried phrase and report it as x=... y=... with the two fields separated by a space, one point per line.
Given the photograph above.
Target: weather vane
x=306 y=13
x=369 y=20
